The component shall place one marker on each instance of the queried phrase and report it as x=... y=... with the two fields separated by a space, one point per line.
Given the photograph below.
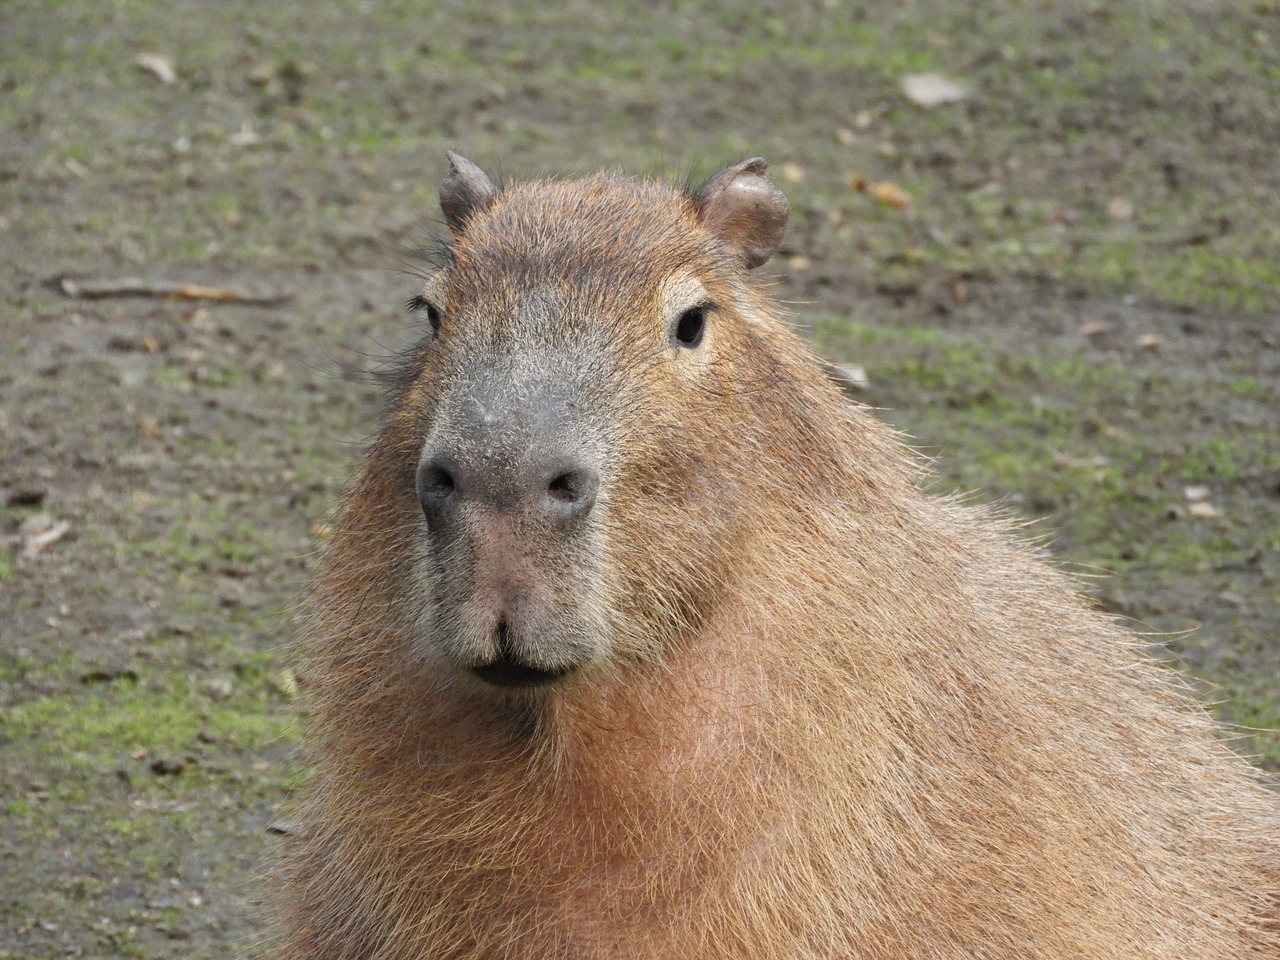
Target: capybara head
x=591 y=389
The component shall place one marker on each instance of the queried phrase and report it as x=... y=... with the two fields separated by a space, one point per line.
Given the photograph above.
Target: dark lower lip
x=507 y=673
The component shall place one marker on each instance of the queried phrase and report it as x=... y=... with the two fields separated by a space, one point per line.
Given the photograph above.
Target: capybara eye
x=690 y=325
x=420 y=302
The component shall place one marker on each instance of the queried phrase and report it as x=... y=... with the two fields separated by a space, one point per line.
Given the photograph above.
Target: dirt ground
x=1063 y=281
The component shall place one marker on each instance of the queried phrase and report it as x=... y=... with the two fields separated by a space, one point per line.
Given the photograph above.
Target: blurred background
x=1041 y=237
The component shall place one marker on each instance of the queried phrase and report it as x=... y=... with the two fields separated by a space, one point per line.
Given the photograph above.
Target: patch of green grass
x=162 y=715
x=1191 y=275
x=1218 y=457
x=203 y=534
x=15 y=665
x=1245 y=387
x=123 y=943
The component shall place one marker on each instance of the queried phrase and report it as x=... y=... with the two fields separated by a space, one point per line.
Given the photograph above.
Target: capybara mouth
x=509 y=670
x=510 y=673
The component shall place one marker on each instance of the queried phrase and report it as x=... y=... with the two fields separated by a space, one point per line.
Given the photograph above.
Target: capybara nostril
x=437 y=490
x=572 y=494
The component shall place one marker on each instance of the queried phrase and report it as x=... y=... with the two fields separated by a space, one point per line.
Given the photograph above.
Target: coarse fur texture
x=797 y=707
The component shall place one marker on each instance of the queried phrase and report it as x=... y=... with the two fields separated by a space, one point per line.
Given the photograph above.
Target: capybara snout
x=511 y=545
x=508 y=448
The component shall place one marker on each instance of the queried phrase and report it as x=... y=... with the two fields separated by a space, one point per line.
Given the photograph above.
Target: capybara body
x=636 y=639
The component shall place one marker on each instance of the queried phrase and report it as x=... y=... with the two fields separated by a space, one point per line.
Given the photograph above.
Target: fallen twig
x=136 y=287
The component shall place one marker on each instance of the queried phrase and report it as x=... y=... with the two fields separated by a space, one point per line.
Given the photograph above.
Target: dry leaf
x=39 y=531
x=159 y=66
x=891 y=195
x=1202 y=509
x=932 y=89
x=791 y=173
x=886 y=192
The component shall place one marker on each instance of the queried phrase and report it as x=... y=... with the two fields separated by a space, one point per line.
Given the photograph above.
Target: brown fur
x=830 y=716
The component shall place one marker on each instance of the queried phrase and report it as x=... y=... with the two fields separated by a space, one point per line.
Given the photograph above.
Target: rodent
x=637 y=639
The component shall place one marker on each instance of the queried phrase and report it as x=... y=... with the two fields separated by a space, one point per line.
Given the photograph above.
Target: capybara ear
x=465 y=192
x=741 y=205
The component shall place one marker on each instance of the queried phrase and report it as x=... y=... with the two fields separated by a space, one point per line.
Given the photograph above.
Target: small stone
x=219 y=688
x=932 y=89
x=1120 y=210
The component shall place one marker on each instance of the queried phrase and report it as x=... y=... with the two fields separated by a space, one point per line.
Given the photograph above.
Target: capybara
x=637 y=639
